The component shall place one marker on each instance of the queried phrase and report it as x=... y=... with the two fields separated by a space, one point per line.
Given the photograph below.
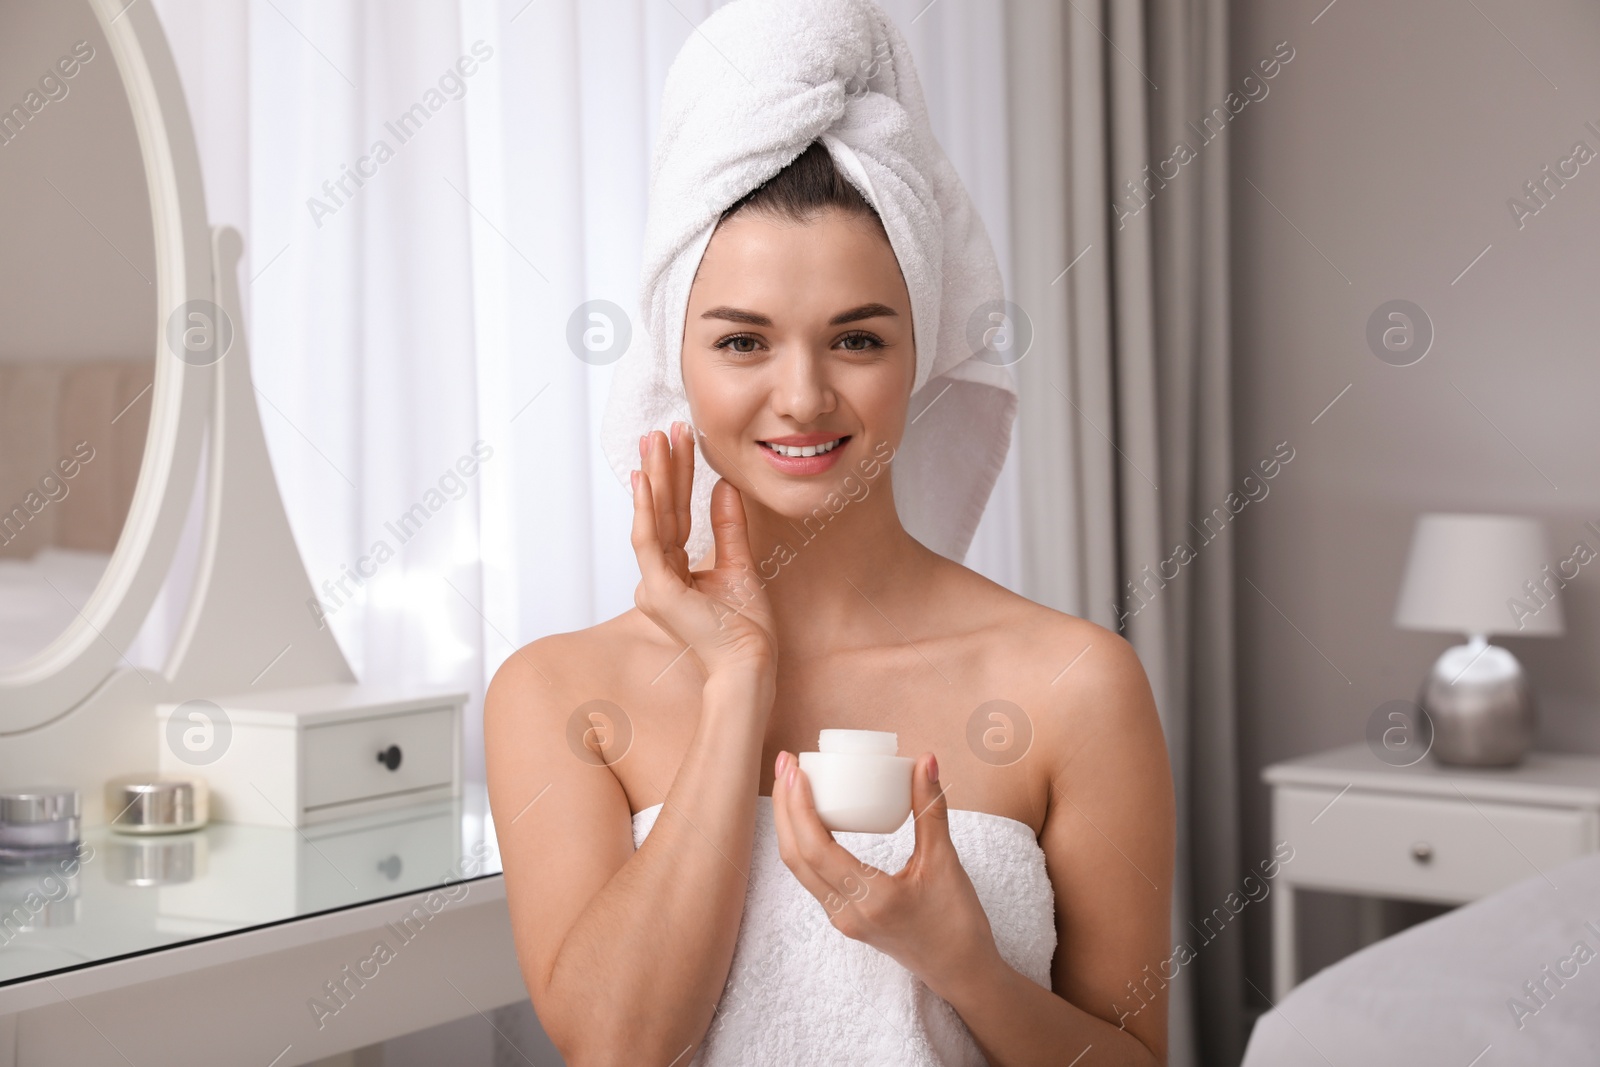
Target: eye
x=860 y=335
x=727 y=343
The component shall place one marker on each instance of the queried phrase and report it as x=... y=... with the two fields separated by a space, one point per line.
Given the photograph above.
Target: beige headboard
x=86 y=417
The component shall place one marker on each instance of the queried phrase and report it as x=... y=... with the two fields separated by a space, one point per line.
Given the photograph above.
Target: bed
x=88 y=417
x=1510 y=979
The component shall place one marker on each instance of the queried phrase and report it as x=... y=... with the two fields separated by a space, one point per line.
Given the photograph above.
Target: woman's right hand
x=723 y=613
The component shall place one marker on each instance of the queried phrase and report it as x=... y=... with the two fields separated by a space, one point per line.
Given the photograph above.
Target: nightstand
x=1426 y=832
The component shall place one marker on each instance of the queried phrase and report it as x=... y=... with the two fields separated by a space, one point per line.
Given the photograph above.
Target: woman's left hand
x=926 y=916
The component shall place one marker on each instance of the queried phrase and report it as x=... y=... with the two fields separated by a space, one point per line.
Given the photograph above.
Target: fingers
x=826 y=868
x=682 y=475
x=669 y=459
x=730 y=528
x=930 y=808
x=646 y=539
x=656 y=461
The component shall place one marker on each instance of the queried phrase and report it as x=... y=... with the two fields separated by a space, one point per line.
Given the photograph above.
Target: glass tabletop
x=125 y=895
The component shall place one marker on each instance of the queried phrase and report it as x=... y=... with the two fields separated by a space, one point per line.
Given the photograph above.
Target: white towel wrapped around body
x=753 y=86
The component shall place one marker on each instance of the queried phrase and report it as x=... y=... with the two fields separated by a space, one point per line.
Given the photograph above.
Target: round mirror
x=79 y=317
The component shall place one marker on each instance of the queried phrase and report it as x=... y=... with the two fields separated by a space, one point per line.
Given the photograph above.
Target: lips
x=800 y=463
x=797 y=446
x=803 y=439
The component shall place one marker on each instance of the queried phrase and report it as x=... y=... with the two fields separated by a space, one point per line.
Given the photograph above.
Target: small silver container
x=38 y=822
x=156 y=804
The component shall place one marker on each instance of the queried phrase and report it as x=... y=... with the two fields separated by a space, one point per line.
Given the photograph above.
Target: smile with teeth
x=795 y=452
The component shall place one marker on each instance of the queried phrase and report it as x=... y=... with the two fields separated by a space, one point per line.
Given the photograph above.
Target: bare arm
x=1108 y=840
x=624 y=953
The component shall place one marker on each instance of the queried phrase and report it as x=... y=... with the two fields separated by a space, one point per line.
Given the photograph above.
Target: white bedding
x=1444 y=991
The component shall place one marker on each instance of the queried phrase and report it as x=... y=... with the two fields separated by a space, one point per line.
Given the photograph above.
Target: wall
x=1378 y=167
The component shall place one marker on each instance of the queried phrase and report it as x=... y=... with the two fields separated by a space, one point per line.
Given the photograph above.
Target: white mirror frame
x=71 y=713
x=58 y=677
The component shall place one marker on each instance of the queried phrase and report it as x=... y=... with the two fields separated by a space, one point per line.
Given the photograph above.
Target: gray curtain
x=1124 y=420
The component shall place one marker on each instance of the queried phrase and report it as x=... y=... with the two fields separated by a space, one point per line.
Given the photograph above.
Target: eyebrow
x=754 y=318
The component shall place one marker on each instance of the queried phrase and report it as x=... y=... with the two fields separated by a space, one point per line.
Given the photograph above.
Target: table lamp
x=1479 y=575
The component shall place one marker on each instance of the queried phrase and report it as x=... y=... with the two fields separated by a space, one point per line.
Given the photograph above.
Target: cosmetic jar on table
x=156 y=804
x=38 y=822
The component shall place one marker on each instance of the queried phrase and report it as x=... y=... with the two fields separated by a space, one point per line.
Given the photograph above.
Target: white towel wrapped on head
x=753 y=86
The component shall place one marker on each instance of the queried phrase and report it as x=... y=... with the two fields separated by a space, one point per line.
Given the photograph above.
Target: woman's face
x=797 y=330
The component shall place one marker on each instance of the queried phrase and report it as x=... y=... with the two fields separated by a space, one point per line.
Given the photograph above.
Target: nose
x=801 y=390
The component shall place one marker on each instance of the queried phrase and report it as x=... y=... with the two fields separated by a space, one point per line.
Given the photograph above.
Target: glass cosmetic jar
x=858 y=783
x=38 y=822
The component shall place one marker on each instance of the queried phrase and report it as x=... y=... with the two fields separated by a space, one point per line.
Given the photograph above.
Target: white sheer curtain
x=418 y=234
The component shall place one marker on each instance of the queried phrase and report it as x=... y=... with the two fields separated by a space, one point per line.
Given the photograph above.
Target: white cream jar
x=857 y=782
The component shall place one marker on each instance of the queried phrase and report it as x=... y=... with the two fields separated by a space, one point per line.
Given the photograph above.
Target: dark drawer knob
x=1422 y=852
x=390 y=757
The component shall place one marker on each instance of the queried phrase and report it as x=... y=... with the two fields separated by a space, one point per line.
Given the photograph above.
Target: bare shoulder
x=539 y=693
x=1099 y=700
x=1100 y=685
x=1081 y=679
x=531 y=672
x=575 y=664
x=1085 y=656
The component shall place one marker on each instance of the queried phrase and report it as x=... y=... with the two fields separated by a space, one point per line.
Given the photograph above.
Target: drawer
x=1421 y=848
x=341 y=759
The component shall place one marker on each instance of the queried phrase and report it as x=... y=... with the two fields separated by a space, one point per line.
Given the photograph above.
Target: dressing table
x=370 y=909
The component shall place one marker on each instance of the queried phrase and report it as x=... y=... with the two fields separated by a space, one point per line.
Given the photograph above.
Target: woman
x=657 y=837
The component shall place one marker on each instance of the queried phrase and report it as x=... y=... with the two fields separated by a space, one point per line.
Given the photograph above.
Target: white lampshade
x=1466 y=574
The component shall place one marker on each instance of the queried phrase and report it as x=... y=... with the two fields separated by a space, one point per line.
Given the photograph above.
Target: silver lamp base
x=1481 y=706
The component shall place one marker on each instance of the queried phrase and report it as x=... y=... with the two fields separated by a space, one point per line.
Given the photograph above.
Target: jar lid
x=38 y=803
x=859 y=742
